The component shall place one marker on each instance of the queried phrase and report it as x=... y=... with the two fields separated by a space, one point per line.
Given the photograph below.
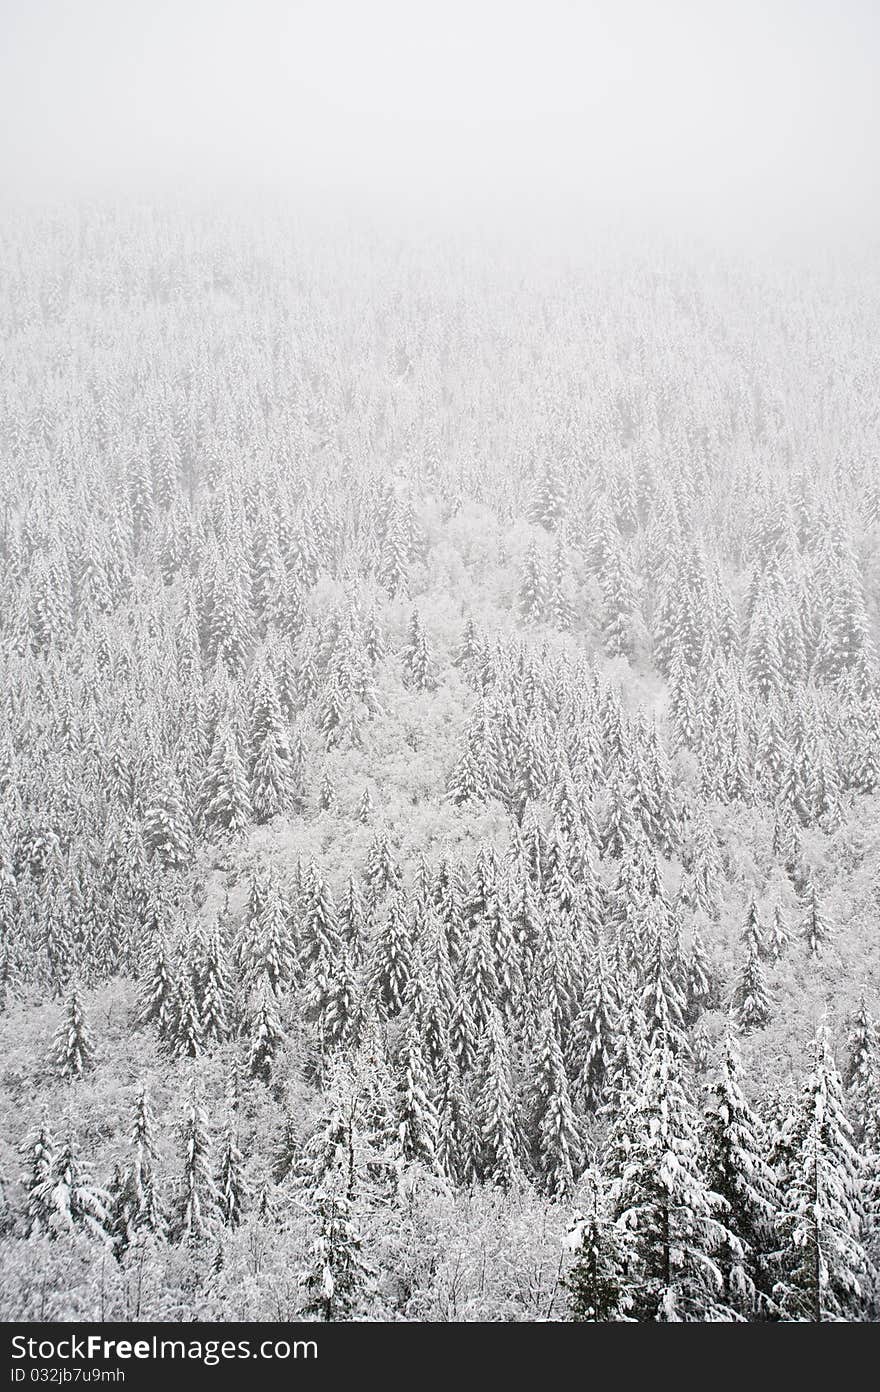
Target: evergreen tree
x=365 y=807
x=272 y=779
x=814 y=926
x=266 y=1036
x=196 y=1208
x=534 y=584
x=224 y=798
x=497 y=1127
x=212 y=989
x=751 y=998
x=75 y=1051
x=456 y=1137
x=779 y=935
x=418 y=1115
x=159 y=992
x=558 y=1141
x=337 y=1281
x=594 y=1034
x=167 y=825
x=416 y=658
x=232 y=1190
x=733 y=1151
x=826 y=1274
x=672 y=1217
x=701 y=987
x=862 y=1073
x=38 y=1154
x=187 y=1039
x=146 y=1207
x=68 y=1200
x=596 y=1280
x=392 y=960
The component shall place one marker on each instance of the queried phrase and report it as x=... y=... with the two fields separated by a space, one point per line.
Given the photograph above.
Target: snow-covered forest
x=440 y=774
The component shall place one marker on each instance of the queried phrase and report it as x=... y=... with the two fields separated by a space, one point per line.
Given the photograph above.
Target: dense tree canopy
x=435 y=802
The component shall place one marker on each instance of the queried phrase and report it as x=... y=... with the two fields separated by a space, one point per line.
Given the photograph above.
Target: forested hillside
x=440 y=774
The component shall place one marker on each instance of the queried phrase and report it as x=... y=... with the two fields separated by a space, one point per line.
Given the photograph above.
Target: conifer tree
x=232 y=1190
x=861 y=1076
x=559 y=1150
x=75 y=1052
x=826 y=1273
x=266 y=1036
x=534 y=584
x=779 y=935
x=337 y=1280
x=815 y=931
x=701 y=987
x=328 y=800
x=497 y=1127
x=321 y=938
x=196 y=1208
x=418 y=1114
x=146 y=1206
x=673 y=1219
x=733 y=1157
x=392 y=959
x=187 y=1037
x=596 y=1281
x=167 y=825
x=38 y=1154
x=224 y=798
x=751 y=998
x=158 y=995
x=752 y=936
x=355 y=923
x=365 y=807
x=416 y=658
x=456 y=1138
x=593 y=1037
x=272 y=778
x=382 y=871
x=68 y=1200
x=212 y=989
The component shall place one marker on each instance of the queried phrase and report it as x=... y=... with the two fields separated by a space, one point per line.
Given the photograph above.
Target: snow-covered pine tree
x=416 y=657
x=266 y=1037
x=74 y=1048
x=232 y=1188
x=861 y=1076
x=673 y=1220
x=497 y=1126
x=38 y=1152
x=779 y=935
x=826 y=1274
x=196 y=1208
x=752 y=1001
x=733 y=1151
x=68 y=1200
x=418 y=1122
x=597 y=1284
x=167 y=825
x=336 y=1281
x=815 y=930
x=224 y=797
x=158 y=997
x=147 y=1207
x=534 y=584
x=557 y=1141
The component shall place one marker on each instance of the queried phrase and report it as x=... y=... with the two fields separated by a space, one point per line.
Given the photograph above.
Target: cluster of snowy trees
x=440 y=720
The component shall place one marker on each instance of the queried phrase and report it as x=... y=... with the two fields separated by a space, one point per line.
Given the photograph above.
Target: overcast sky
x=621 y=101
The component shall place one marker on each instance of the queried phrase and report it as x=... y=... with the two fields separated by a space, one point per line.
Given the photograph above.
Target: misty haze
x=440 y=734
